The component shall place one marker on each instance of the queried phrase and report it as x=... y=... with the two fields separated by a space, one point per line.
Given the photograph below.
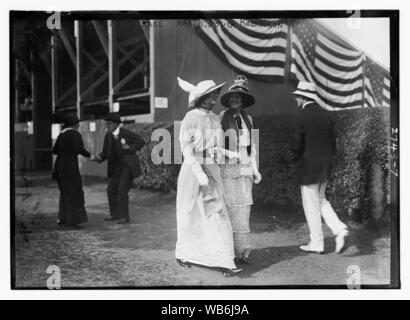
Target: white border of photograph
x=256 y=294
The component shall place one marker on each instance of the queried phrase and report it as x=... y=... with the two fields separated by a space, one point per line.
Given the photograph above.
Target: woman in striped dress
x=239 y=175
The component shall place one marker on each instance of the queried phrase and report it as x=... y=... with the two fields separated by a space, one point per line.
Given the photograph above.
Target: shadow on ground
x=264 y=258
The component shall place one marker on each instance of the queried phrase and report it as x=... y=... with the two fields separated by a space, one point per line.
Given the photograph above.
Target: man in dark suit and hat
x=120 y=146
x=315 y=144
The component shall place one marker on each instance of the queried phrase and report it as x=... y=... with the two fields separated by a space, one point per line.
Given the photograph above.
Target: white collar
x=306 y=103
x=205 y=111
x=116 y=131
x=237 y=115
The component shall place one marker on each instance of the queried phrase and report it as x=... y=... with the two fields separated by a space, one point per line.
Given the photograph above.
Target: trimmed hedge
x=162 y=177
x=362 y=143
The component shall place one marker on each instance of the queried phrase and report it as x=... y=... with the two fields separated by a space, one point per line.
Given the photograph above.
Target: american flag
x=336 y=70
x=256 y=47
x=377 y=82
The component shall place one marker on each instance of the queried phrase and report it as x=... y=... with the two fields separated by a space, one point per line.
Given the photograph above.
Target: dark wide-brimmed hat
x=113 y=117
x=240 y=86
x=71 y=121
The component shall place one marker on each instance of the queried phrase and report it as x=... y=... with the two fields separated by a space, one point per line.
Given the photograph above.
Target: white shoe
x=315 y=249
x=340 y=240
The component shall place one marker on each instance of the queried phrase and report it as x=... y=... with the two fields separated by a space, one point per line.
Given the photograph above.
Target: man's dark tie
x=238 y=122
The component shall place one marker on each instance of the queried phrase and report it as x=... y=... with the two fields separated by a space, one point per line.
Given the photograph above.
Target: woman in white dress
x=204 y=230
x=238 y=176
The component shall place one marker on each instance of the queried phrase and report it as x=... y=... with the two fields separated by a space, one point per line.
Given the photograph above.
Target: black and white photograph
x=204 y=149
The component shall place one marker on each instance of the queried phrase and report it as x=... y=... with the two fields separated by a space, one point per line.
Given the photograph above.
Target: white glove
x=200 y=175
x=202 y=179
x=257 y=177
x=231 y=155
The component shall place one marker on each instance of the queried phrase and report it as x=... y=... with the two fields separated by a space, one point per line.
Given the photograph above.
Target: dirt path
x=142 y=253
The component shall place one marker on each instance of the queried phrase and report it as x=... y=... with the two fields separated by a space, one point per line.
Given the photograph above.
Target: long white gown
x=204 y=230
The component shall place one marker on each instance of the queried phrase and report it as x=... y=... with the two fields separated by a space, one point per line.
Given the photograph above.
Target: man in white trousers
x=315 y=144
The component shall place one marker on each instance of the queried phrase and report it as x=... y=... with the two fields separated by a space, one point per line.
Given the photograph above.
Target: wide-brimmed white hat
x=200 y=90
x=307 y=90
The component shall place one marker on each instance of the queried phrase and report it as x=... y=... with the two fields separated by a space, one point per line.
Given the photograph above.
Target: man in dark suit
x=123 y=166
x=314 y=143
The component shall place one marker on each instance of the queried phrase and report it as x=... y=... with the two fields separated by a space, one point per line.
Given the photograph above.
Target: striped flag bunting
x=377 y=85
x=336 y=70
x=255 y=47
x=344 y=77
